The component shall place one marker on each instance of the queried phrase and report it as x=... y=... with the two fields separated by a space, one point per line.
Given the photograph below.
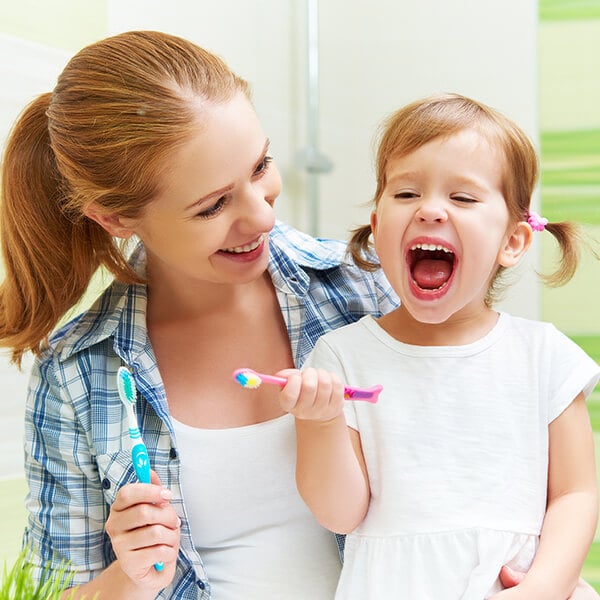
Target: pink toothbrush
x=251 y=379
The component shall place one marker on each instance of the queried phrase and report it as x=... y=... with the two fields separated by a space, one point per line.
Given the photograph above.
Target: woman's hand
x=511 y=579
x=144 y=529
x=312 y=394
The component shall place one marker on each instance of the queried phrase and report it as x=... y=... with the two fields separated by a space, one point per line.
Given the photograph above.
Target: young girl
x=479 y=451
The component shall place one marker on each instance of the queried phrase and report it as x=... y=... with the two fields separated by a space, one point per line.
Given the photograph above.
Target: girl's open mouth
x=431 y=266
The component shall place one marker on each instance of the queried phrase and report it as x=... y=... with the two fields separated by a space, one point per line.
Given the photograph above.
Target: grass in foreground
x=18 y=583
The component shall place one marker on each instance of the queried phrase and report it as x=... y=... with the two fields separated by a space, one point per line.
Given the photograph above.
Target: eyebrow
x=460 y=180
x=229 y=187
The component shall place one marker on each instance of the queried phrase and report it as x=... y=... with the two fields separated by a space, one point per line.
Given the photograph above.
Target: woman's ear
x=516 y=245
x=116 y=225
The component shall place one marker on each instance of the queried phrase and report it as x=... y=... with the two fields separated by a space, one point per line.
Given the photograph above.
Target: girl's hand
x=312 y=394
x=144 y=529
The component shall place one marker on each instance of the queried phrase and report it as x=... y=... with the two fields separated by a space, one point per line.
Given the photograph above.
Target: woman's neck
x=167 y=303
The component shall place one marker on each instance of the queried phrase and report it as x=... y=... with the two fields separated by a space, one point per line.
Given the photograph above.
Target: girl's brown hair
x=440 y=116
x=119 y=109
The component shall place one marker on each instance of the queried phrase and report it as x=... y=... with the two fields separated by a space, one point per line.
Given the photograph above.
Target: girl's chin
x=429 y=309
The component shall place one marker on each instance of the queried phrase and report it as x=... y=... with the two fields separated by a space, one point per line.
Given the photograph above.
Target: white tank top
x=256 y=537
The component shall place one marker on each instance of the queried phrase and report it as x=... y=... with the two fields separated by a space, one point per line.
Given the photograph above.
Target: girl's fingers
x=312 y=394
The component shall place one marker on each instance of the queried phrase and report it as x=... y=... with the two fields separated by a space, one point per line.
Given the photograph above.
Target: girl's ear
x=373 y=221
x=116 y=225
x=516 y=245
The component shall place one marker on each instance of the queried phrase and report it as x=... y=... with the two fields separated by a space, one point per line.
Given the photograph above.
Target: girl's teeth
x=430 y=247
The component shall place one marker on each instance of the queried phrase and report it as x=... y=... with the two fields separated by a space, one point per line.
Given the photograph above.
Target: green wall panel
x=67 y=24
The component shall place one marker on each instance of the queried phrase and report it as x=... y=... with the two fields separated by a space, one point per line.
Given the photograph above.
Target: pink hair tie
x=536 y=222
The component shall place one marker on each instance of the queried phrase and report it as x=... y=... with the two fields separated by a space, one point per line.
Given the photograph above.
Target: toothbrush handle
x=350 y=393
x=141 y=462
x=280 y=381
x=141 y=465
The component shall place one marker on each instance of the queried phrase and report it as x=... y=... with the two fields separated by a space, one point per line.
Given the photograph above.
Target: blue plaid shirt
x=76 y=444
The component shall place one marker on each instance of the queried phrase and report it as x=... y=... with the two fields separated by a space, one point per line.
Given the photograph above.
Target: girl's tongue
x=430 y=274
x=431 y=267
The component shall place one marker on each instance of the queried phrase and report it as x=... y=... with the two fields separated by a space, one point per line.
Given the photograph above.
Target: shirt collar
x=293 y=252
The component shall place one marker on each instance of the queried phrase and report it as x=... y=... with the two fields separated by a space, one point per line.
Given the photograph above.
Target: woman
x=148 y=135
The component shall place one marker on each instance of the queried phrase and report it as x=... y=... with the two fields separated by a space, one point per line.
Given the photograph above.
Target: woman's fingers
x=144 y=529
x=141 y=493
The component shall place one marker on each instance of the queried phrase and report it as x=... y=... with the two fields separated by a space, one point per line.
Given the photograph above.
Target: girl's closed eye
x=406 y=194
x=464 y=198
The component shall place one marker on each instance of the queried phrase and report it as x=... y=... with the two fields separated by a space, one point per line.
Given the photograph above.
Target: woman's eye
x=263 y=165
x=213 y=210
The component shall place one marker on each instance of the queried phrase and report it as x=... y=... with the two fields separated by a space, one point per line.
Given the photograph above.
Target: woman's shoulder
x=306 y=250
x=119 y=307
x=100 y=321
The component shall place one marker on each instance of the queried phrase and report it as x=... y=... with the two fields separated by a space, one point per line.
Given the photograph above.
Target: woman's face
x=210 y=221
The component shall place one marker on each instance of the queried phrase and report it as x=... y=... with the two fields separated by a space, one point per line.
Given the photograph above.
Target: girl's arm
x=330 y=469
x=572 y=510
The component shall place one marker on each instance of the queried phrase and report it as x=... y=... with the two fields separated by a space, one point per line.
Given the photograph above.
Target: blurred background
x=324 y=75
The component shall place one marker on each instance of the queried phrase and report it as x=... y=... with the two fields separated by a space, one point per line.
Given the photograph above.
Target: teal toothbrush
x=139 y=453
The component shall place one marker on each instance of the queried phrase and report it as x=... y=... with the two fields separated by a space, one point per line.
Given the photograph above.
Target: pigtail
x=360 y=248
x=569 y=238
x=48 y=257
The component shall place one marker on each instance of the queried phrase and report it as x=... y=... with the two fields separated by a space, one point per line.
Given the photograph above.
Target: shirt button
x=200 y=584
x=173 y=453
x=106 y=484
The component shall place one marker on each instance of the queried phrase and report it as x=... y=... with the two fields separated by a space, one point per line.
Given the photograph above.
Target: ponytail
x=49 y=257
x=102 y=139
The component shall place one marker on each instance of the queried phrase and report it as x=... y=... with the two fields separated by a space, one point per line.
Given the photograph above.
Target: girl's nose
x=431 y=210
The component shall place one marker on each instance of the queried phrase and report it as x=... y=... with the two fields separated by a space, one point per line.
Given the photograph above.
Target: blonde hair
x=443 y=115
x=119 y=109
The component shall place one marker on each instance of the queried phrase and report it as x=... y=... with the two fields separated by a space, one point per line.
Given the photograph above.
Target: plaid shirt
x=76 y=444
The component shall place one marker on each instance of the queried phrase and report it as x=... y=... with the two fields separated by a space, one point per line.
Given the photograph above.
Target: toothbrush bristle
x=248 y=380
x=126 y=385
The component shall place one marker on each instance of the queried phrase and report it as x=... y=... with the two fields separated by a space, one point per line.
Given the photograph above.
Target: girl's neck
x=462 y=328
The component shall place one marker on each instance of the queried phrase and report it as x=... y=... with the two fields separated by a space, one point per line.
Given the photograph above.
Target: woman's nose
x=258 y=207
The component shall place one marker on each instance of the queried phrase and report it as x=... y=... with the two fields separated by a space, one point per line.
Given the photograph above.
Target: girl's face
x=211 y=220
x=441 y=227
